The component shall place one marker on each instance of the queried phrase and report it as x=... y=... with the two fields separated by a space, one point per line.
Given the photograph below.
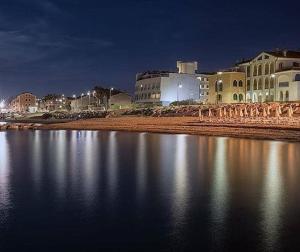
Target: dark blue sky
x=68 y=46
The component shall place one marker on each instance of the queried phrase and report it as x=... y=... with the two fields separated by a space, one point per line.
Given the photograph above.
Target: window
x=287 y=96
x=248 y=85
x=241 y=97
x=280 y=66
x=235 y=97
x=240 y=83
x=296 y=64
x=255 y=85
x=259 y=70
x=267 y=69
x=255 y=71
x=248 y=71
x=266 y=83
x=272 y=68
x=272 y=83
x=297 y=77
x=281 y=96
x=219 y=97
x=283 y=84
x=260 y=84
x=235 y=83
x=267 y=57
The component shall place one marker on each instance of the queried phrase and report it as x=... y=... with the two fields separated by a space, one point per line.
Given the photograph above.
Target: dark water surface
x=103 y=191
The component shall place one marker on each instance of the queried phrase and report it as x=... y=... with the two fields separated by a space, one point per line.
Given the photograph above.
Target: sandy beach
x=253 y=129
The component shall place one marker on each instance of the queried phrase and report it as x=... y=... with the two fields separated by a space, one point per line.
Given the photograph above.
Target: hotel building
x=227 y=87
x=165 y=87
x=273 y=76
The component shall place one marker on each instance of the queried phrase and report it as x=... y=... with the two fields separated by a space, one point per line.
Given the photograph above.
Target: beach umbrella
x=277 y=114
x=241 y=112
x=235 y=111
x=290 y=112
x=220 y=112
x=245 y=112
x=225 y=112
x=230 y=112
x=256 y=112
x=264 y=112
x=200 y=113
x=251 y=112
x=269 y=110
x=279 y=110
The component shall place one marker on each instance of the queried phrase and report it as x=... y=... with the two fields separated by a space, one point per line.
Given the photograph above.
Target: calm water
x=87 y=191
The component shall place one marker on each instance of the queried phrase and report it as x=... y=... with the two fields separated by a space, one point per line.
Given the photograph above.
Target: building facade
x=24 y=102
x=164 y=87
x=273 y=76
x=120 y=100
x=227 y=87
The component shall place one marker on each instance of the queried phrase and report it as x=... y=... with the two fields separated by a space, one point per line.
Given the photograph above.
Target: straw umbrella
x=264 y=112
x=230 y=112
x=225 y=112
x=200 y=114
x=256 y=112
x=241 y=112
x=269 y=110
x=277 y=114
x=251 y=112
x=245 y=112
x=290 y=112
x=235 y=111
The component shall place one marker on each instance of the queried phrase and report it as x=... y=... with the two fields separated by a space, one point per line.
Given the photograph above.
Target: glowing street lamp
x=89 y=94
x=179 y=86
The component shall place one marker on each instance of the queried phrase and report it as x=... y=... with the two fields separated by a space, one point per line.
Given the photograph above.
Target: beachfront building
x=24 y=102
x=272 y=76
x=165 y=87
x=120 y=100
x=227 y=87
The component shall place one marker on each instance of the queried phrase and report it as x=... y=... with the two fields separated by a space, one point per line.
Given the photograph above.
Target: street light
x=217 y=86
x=110 y=90
x=272 y=77
x=89 y=94
x=178 y=86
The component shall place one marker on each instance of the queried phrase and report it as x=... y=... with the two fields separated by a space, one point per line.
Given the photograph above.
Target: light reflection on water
x=149 y=188
x=219 y=191
x=272 y=203
x=5 y=170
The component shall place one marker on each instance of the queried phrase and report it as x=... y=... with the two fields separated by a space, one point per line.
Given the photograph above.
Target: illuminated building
x=273 y=76
x=165 y=87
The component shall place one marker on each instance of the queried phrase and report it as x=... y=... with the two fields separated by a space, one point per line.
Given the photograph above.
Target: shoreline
x=186 y=125
x=250 y=129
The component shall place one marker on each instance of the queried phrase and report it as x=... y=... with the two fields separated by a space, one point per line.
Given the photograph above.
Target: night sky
x=69 y=46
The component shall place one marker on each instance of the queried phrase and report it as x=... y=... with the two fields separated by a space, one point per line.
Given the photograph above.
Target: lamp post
x=217 y=85
x=74 y=97
x=273 y=78
x=178 y=86
x=110 y=90
x=89 y=94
